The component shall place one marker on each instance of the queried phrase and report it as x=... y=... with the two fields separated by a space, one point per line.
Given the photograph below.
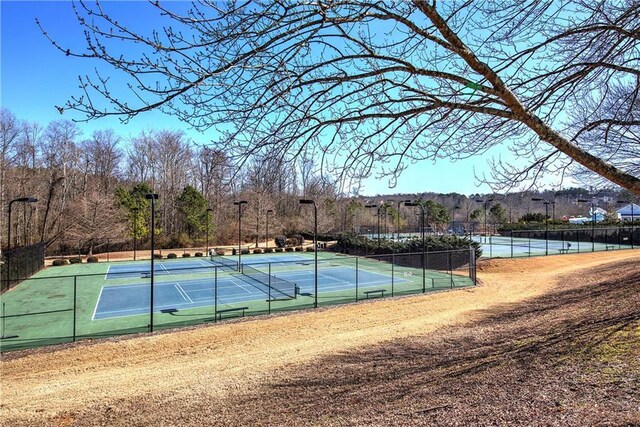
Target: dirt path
x=227 y=359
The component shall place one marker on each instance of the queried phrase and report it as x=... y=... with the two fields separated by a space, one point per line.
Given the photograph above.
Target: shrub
x=157 y=256
x=172 y=256
x=92 y=259
x=59 y=262
x=234 y=251
x=75 y=260
x=288 y=249
x=245 y=252
x=186 y=255
x=279 y=250
x=299 y=249
x=281 y=241
x=309 y=249
x=198 y=254
x=257 y=251
x=298 y=239
x=268 y=250
x=221 y=252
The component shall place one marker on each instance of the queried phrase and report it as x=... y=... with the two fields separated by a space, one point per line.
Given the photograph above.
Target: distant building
x=598 y=213
x=625 y=213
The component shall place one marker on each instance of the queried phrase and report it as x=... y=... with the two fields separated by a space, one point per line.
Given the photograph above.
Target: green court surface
x=91 y=301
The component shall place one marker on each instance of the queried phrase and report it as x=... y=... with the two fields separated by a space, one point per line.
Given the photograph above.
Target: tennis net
x=223 y=263
x=280 y=286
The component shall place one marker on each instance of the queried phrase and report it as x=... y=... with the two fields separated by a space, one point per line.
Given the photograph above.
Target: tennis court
x=513 y=247
x=117 y=301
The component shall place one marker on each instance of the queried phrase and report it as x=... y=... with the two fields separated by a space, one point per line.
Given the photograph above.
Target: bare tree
x=9 y=135
x=60 y=154
x=103 y=155
x=364 y=82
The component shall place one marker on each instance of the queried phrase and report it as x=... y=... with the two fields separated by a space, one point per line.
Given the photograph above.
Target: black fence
x=522 y=243
x=58 y=309
x=20 y=263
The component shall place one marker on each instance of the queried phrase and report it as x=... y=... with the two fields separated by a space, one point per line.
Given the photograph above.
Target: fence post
x=75 y=293
x=512 y=243
x=424 y=273
x=450 y=268
x=215 y=294
x=357 y=279
x=269 y=301
x=393 y=260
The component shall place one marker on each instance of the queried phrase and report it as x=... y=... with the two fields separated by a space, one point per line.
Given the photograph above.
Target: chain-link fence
x=19 y=263
x=525 y=243
x=51 y=308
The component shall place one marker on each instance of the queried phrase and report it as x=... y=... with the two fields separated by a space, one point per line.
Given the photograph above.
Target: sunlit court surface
x=91 y=301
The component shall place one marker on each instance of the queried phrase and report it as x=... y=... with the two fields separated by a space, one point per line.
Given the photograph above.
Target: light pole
x=153 y=197
x=593 y=222
x=135 y=231
x=485 y=203
x=267 y=236
x=376 y=206
x=631 y=203
x=421 y=206
x=400 y=202
x=208 y=221
x=546 y=221
x=19 y=200
x=239 y=205
x=315 y=246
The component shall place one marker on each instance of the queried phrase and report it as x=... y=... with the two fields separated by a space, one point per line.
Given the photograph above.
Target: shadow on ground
x=567 y=358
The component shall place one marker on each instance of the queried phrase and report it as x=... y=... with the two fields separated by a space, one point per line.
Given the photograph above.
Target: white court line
x=164 y=268
x=241 y=287
x=130 y=310
x=183 y=292
x=107 y=274
x=97 y=302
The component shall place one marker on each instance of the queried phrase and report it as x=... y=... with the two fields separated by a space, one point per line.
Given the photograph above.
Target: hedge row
x=355 y=245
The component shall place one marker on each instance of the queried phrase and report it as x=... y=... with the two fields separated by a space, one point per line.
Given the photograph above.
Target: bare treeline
x=75 y=177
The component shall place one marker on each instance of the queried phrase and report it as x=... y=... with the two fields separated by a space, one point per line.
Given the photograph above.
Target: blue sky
x=35 y=77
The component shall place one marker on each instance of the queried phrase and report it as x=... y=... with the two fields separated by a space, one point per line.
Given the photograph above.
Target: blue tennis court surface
x=201 y=265
x=127 y=300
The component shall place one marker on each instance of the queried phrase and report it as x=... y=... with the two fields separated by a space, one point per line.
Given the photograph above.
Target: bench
x=219 y=313
x=376 y=291
x=610 y=247
x=563 y=250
